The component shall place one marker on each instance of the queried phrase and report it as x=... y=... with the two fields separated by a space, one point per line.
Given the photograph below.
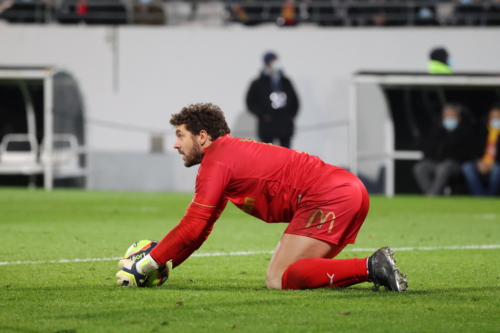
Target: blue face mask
x=449 y=61
x=277 y=67
x=425 y=13
x=450 y=123
x=495 y=123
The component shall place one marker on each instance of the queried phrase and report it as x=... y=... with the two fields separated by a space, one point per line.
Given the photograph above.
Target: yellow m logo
x=322 y=219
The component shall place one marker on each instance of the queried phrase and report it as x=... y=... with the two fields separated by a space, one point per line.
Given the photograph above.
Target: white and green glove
x=135 y=274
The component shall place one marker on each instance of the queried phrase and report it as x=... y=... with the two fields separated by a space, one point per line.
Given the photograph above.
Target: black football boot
x=382 y=271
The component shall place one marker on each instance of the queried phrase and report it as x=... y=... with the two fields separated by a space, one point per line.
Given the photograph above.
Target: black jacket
x=259 y=103
x=457 y=145
x=480 y=144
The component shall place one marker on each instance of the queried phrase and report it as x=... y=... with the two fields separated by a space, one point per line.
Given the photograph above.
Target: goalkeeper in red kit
x=324 y=207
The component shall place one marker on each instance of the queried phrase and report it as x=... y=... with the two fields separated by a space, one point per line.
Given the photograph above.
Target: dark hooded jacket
x=272 y=122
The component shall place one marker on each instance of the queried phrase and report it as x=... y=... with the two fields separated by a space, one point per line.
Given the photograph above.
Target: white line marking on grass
x=432 y=248
x=141 y=209
x=240 y=253
x=62 y=261
x=486 y=216
x=247 y=253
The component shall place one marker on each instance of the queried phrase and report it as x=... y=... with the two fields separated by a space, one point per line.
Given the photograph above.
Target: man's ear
x=203 y=137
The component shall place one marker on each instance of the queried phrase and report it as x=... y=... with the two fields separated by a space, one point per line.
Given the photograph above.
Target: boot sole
x=400 y=278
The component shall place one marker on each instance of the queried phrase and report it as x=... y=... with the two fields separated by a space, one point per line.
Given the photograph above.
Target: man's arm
x=293 y=100
x=194 y=228
x=188 y=235
x=252 y=100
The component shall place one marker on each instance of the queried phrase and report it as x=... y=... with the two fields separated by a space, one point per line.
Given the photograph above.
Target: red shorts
x=334 y=212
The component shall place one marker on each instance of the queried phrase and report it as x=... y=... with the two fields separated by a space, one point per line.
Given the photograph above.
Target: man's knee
x=468 y=167
x=417 y=168
x=495 y=168
x=448 y=168
x=421 y=167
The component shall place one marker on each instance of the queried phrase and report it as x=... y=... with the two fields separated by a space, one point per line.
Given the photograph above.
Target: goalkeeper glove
x=135 y=274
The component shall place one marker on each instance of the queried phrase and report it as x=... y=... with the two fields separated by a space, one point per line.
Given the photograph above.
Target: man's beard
x=195 y=156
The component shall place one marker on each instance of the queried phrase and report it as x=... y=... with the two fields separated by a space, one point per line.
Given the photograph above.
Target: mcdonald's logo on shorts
x=322 y=219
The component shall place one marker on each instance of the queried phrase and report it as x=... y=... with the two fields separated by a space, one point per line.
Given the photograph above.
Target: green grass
x=450 y=290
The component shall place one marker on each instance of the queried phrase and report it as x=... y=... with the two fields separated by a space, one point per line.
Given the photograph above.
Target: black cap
x=268 y=57
x=439 y=54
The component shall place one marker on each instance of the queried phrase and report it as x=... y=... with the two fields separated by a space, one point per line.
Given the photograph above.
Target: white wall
x=163 y=69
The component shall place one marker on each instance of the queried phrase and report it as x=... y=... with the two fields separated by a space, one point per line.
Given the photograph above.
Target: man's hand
x=483 y=167
x=135 y=274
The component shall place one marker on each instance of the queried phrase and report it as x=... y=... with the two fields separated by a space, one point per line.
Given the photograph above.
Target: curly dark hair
x=202 y=116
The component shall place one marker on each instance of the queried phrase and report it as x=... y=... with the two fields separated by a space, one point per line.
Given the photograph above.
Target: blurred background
x=101 y=78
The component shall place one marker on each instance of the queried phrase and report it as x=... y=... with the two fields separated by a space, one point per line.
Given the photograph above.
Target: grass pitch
x=451 y=290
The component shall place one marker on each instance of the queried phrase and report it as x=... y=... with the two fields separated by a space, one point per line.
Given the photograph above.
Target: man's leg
x=444 y=172
x=471 y=174
x=494 y=180
x=301 y=262
x=424 y=173
x=317 y=233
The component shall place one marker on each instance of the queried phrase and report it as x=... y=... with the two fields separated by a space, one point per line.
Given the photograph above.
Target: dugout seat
x=18 y=149
x=19 y=155
x=65 y=154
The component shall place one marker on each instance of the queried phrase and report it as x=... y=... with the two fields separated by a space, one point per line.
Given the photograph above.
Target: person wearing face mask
x=447 y=146
x=272 y=98
x=488 y=164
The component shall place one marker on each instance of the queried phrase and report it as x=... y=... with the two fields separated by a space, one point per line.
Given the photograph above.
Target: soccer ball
x=139 y=250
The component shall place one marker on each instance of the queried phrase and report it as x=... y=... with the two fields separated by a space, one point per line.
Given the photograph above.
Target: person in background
x=248 y=12
x=82 y=8
x=273 y=100
x=288 y=14
x=448 y=145
x=440 y=62
x=488 y=166
x=149 y=12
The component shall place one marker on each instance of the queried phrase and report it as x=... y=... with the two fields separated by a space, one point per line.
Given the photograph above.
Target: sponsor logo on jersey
x=248 y=205
x=322 y=219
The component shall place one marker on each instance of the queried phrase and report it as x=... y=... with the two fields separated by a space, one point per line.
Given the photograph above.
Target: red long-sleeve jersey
x=263 y=180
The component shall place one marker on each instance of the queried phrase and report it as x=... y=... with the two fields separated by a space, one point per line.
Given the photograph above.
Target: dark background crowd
x=254 y=12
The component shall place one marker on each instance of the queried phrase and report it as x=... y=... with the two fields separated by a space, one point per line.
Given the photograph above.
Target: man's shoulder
x=261 y=78
x=221 y=151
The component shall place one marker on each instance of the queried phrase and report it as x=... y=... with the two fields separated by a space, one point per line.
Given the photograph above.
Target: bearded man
x=324 y=206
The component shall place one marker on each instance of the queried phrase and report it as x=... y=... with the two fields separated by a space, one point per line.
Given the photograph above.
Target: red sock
x=319 y=272
x=346 y=283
